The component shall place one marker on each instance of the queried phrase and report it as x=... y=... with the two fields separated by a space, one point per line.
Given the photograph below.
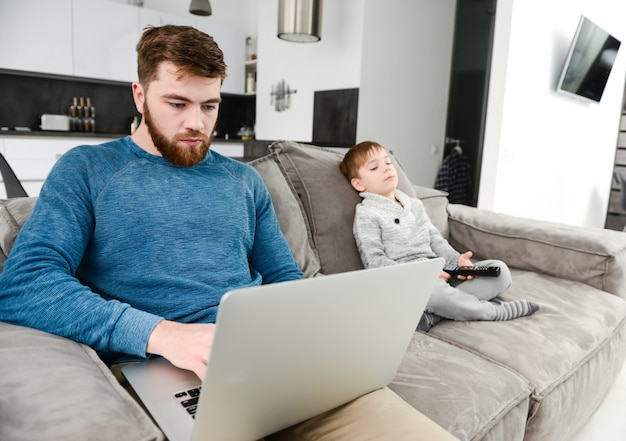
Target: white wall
x=240 y=14
x=332 y=63
x=397 y=53
x=405 y=77
x=547 y=155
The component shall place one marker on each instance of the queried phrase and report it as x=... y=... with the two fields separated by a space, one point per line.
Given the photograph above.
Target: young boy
x=390 y=227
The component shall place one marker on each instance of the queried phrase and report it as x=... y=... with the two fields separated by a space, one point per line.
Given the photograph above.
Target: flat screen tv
x=589 y=62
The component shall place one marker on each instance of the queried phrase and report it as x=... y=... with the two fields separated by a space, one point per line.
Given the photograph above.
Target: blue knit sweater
x=120 y=239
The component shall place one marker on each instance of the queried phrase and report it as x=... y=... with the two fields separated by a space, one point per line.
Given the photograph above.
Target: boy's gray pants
x=469 y=299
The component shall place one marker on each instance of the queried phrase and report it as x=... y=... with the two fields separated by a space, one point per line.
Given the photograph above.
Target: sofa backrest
x=314 y=204
x=322 y=204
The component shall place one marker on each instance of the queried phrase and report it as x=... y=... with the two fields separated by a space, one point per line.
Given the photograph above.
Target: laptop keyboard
x=189 y=400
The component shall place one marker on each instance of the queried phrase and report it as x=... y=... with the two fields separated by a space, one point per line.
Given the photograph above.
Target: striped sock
x=428 y=320
x=514 y=309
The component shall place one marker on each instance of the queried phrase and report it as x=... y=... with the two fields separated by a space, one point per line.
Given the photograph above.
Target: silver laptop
x=289 y=351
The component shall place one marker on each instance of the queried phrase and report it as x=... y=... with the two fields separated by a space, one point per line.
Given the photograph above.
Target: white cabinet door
x=149 y=17
x=105 y=36
x=36 y=36
x=32 y=158
x=233 y=44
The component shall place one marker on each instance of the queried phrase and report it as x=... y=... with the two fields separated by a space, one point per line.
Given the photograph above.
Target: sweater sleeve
x=440 y=246
x=367 y=234
x=39 y=287
x=271 y=255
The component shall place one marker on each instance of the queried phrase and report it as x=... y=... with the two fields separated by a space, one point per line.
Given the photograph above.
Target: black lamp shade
x=200 y=7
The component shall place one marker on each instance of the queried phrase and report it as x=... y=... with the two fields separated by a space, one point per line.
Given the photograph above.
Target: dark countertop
x=60 y=134
x=63 y=134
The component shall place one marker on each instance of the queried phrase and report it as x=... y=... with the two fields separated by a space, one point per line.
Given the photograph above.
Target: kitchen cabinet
x=32 y=157
x=149 y=17
x=233 y=44
x=96 y=39
x=232 y=149
x=104 y=37
x=36 y=36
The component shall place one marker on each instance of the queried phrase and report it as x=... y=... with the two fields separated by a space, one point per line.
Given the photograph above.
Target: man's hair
x=356 y=157
x=193 y=52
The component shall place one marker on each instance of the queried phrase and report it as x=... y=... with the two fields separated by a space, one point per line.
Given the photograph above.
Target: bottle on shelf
x=74 y=115
x=86 y=115
x=250 y=83
x=250 y=49
x=90 y=117
x=82 y=115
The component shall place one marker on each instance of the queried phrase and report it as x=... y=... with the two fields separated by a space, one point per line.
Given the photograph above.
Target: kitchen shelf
x=250 y=70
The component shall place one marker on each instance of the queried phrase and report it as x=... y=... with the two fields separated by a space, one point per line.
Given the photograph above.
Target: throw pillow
x=290 y=214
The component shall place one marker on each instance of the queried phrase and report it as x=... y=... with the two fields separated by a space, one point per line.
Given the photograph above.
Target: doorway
x=469 y=84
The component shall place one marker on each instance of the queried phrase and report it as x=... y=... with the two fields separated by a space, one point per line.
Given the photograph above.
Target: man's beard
x=186 y=156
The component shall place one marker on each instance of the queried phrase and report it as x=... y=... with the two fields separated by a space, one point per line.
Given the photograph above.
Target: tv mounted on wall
x=589 y=62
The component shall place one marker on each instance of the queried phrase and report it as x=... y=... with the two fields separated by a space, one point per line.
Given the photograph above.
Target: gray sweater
x=387 y=233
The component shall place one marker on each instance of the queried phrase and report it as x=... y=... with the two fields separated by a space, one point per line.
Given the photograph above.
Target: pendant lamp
x=200 y=7
x=300 y=20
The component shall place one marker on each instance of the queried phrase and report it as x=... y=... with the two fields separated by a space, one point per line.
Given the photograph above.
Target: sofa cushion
x=462 y=391
x=570 y=351
x=436 y=204
x=71 y=393
x=293 y=222
x=13 y=214
x=328 y=200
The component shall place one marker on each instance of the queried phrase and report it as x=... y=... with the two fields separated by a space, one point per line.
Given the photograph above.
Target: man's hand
x=185 y=345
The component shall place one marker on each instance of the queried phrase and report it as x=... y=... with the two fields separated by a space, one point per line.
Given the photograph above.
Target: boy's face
x=377 y=175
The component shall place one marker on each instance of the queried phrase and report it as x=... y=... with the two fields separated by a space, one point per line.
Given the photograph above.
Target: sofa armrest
x=54 y=388
x=593 y=256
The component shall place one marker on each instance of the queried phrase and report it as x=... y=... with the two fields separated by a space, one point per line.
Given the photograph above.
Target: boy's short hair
x=356 y=157
x=193 y=52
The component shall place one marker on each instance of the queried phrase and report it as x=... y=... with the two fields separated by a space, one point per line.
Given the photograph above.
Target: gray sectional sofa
x=537 y=378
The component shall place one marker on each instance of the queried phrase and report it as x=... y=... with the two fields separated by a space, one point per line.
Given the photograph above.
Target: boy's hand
x=445 y=276
x=464 y=260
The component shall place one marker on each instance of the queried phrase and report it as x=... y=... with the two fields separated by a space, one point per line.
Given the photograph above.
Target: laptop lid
x=289 y=351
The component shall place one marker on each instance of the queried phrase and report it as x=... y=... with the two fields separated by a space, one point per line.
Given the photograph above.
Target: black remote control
x=484 y=271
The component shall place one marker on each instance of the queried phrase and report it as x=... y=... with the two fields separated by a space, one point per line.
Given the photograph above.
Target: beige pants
x=378 y=416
